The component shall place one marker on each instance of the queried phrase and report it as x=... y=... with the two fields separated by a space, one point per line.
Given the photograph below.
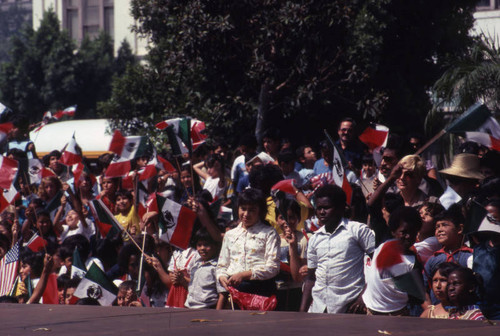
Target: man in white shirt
x=335 y=256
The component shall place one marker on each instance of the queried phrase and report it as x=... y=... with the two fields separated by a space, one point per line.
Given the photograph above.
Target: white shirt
x=254 y=249
x=80 y=229
x=382 y=294
x=338 y=259
x=212 y=185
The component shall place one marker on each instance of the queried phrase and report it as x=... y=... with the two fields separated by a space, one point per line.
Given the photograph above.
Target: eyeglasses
x=347 y=130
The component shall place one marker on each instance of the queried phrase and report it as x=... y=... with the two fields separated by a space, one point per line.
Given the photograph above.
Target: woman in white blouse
x=249 y=257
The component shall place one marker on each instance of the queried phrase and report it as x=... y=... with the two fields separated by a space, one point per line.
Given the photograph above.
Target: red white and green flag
x=104 y=219
x=178 y=133
x=8 y=171
x=5 y=128
x=8 y=196
x=71 y=153
x=484 y=139
x=375 y=136
x=176 y=222
x=126 y=149
x=67 y=112
x=389 y=261
x=477 y=118
x=96 y=285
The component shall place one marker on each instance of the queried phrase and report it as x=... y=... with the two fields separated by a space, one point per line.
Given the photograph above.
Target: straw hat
x=464 y=165
x=489 y=225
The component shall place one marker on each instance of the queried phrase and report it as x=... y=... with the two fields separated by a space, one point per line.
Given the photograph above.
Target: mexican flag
x=129 y=147
x=375 y=136
x=67 y=112
x=178 y=133
x=388 y=259
x=484 y=139
x=96 y=285
x=176 y=222
x=8 y=171
x=339 y=175
x=477 y=118
x=5 y=128
x=78 y=268
x=8 y=196
x=104 y=219
x=71 y=153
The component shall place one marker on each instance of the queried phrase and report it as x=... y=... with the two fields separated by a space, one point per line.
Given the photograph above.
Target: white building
x=488 y=19
x=88 y=17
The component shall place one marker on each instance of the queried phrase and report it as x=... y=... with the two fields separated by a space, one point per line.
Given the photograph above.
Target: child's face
x=123 y=203
x=369 y=168
x=186 y=179
x=68 y=262
x=43 y=224
x=287 y=167
x=108 y=186
x=493 y=211
x=427 y=221
x=439 y=286
x=406 y=234
x=309 y=155
x=72 y=219
x=133 y=266
x=24 y=270
x=69 y=295
x=249 y=214
x=447 y=233
x=292 y=223
x=50 y=189
x=326 y=211
x=458 y=290
x=124 y=297
x=206 y=250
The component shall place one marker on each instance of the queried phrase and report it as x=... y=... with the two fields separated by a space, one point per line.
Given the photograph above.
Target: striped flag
x=8 y=196
x=67 y=112
x=71 y=153
x=104 y=219
x=178 y=133
x=8 y=171
x=5 y=128
x=96 y=285
x=477 y=118
x=484 y=139
x=8 y=269
x=36 y=243
x=375 y=136
x=78 y=268
x=176 y=222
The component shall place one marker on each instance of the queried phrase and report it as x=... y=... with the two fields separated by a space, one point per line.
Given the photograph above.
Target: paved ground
x=78 y=320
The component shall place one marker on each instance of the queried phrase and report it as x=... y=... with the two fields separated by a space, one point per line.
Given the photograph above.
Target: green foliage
x=474 y=77
x=310 y=62
x=49 y=72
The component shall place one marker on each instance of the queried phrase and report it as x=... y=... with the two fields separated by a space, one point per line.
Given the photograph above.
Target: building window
x=88 y=17
x=487 y=4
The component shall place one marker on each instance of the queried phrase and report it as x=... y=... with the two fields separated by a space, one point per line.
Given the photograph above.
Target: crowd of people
x=407 y=240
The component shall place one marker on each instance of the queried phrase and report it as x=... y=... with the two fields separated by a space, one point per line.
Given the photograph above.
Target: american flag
x=8 y=269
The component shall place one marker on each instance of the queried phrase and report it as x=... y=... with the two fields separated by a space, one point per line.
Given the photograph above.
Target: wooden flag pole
x=430 y=142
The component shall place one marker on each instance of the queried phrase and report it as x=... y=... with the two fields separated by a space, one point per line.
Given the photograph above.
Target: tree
x=306 y=64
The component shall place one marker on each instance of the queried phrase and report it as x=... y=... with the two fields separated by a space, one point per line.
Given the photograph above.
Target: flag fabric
x=339 y=174
x=477 y=118
x=71 y=153
x=50 y=294
x=8 y=196
x=198 y=135
x=67 y=112
x=127 y=148
x=484 y=139
x=389 y=262
x=104 y=219
x=118 y=167
x=8 y=171
x=96 y=285
x=5 y=128
x=375 y=136
x=36 y=243
x=247 y=301
x=4 y=110
x=8 y=269
x=78 y=268
x=178 y=133
x=164 y=165
x=176 y=222
x=287 y=186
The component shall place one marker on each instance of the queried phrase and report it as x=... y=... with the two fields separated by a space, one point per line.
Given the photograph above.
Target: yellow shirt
x=129 y=221
x=271 y=215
